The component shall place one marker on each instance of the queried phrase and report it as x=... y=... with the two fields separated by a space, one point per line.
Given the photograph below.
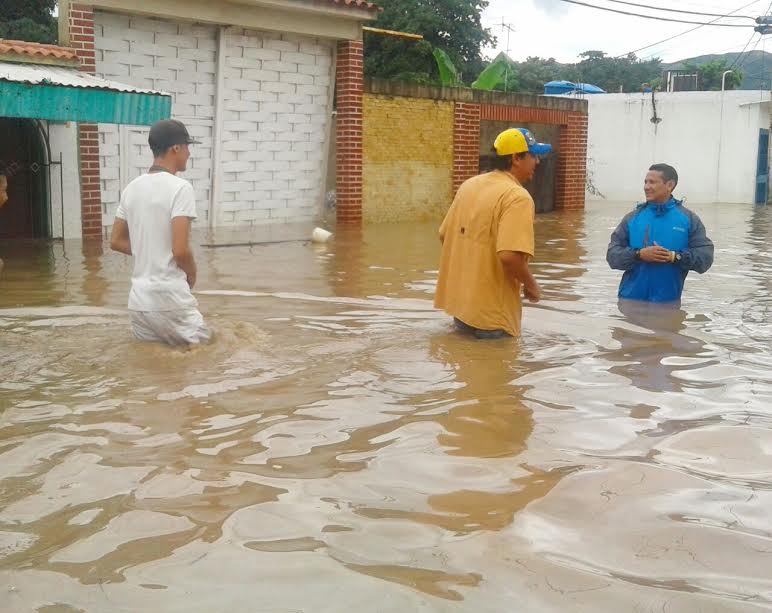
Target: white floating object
x=320 y=235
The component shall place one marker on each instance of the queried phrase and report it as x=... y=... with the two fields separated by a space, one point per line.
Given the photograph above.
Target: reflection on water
x=340 y=448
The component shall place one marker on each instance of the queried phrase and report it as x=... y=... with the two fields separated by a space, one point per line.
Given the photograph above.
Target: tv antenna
x=510 y=29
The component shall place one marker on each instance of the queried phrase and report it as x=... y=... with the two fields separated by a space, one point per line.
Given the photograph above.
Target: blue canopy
x=567 y=87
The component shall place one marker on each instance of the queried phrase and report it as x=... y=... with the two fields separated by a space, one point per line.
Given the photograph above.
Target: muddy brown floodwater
x=339 y=448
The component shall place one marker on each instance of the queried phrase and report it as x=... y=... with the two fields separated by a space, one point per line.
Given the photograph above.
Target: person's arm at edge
x=181 y=251
x=619 y=255
x=120 y=240
x=699 y=255
x=515 y=248
x=515 y=265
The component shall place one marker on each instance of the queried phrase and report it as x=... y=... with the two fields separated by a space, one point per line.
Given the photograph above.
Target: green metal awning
x=63 y=94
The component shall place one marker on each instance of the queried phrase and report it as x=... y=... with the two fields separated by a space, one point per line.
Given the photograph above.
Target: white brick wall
x=275 y=114
x=274 y=132
x=163 y=55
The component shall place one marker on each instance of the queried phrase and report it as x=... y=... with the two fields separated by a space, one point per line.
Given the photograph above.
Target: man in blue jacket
x=659 y=242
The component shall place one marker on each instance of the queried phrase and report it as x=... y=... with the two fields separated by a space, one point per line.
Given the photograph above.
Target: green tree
x=30 y=20
x=534 y=72
x=613 y=74
x=628 y=73
x=710 y=74
x=451 y=25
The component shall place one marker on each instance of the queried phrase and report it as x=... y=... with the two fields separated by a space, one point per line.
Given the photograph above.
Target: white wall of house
x=274 y=114
x=65 y=180
x=277 y=107
x=711 y=138
x=179 y=59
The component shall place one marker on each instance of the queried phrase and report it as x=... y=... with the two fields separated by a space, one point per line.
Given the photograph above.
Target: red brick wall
x=466 y=142
x=572 y=163
x=524 y=114
x=81 y=26
x=349 y=88
x=90 y=185
x=81 y=22
x=572 y=149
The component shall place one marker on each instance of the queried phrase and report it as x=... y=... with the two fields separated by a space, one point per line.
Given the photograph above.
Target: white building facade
x=717 y=141
x=254 y=81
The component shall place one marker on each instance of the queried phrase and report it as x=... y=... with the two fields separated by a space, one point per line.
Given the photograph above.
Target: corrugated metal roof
x=58 y=93
x=25 y=50
x=35 y=74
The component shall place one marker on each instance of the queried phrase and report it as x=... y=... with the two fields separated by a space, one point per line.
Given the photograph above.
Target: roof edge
x=24 y=52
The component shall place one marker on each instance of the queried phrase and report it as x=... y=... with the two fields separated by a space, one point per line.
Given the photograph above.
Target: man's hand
x=532 y=291
x=655 y=254
x=181 y=252
x=120 y=240
x=515 y=264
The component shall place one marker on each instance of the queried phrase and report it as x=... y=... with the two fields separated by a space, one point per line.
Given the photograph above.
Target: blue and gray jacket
x=670 y=225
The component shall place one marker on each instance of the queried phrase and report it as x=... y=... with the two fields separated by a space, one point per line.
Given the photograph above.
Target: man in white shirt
x=153 y=224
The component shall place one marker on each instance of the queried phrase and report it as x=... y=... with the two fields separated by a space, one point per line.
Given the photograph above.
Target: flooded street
x=340 y=448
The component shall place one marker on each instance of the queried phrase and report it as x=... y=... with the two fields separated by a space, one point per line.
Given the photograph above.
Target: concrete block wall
x=275 y=127
x=407 y=159
x=177 y=58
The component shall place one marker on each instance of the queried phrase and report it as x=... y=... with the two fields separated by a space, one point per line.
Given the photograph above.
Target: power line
x=700 y=23
x=747 y=55
x=749 y=42
x=744 y=48
x=659 y=42
x=726 y=49
x=661 y=8
x=763 y=53
x=720 y=52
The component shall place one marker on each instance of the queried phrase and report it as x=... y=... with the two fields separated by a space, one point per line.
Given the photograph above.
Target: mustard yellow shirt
x=490 y=213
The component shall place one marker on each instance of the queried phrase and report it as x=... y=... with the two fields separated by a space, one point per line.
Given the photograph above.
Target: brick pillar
x=81 y=27
x=572 y=164
x=349 y=87
x=466 y=142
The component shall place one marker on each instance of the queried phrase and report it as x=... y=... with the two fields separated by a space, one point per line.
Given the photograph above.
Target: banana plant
x=449 y=76
x=499 y=74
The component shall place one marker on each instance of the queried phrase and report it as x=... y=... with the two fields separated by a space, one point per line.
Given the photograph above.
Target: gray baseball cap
x=169 y=132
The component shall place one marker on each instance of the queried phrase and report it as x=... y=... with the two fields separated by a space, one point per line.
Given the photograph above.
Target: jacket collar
x=660 y=208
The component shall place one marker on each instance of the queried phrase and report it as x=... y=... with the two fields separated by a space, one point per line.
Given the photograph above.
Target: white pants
x=180 y=327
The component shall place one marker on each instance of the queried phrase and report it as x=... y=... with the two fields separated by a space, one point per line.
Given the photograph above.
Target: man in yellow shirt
x=487 y=241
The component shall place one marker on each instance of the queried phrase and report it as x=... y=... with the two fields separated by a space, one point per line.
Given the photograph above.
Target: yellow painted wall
x=407 y=158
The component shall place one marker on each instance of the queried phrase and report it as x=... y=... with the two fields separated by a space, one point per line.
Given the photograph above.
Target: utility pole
x=764 y=28
x=510 y=29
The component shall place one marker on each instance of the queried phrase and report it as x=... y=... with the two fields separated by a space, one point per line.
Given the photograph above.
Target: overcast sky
x=552 y=28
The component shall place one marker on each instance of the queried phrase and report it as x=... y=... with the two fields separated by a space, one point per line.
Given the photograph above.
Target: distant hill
x=756 y=67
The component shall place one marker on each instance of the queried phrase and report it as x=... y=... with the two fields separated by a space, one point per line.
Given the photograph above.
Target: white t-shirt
x=148 y=204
